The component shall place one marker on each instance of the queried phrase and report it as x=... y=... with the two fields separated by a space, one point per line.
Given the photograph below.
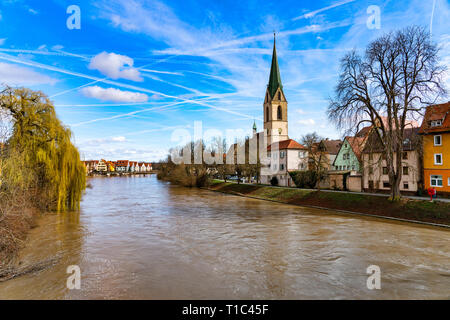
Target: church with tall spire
x=275 y=104
x=285 y=154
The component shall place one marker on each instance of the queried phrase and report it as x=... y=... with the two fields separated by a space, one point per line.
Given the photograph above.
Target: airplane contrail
x=313 y=13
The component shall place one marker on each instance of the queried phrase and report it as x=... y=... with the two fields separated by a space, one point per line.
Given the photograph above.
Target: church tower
x=275 y=105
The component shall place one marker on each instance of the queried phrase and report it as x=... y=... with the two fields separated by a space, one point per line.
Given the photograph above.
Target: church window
x=279 y=95
x=279 y=113
x=267 y=114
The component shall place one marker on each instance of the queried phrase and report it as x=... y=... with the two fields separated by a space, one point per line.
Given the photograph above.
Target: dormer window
x=279 y=95
x=436 y=123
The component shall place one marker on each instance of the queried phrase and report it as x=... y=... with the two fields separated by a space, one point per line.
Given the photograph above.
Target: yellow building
x=436 y=147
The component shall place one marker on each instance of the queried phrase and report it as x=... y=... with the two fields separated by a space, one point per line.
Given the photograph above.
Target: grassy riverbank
x=414 y=210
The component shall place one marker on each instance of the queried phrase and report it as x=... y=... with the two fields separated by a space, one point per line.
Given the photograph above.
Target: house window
x=436 y=181
x=282 y=166
x=448 y=181
x=282 y=154
x=300 y=154
x=353 y=167
x=405 y=155
x=405 y=171
x=436 y=123
x=370 y=170
x=371 y=184
x=383 y=156
x=279 y=113
x=385 y=170
x=405 y=185
x=438 y=140
x=438 y=158
x=386 y=184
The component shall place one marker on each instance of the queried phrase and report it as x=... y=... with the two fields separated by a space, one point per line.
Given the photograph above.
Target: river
x=140 y=238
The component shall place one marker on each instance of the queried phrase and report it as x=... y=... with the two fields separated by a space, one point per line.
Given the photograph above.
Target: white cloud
x=115 y=66
x=112 y=94
x=131 y=153
x=307 y=122
x=105 y=141
x=32 y=11
x=14 y=75
x=119 y=139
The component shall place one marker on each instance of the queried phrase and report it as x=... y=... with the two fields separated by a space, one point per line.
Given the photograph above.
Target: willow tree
x=388 y=86
x=41 y=157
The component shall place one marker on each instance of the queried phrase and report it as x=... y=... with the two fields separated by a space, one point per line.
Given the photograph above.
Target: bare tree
x=317 y=156
x=396 y=78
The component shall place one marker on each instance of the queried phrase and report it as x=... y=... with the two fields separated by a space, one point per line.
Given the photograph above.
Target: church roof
x=275 y=78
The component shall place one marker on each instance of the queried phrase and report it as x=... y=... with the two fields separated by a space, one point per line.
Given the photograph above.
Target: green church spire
x=275 y=78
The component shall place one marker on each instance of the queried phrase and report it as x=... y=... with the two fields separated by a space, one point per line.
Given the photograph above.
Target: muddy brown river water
x=139 y=238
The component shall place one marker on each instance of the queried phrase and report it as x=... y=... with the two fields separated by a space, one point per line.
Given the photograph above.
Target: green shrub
x=305 y=179
x=274 y=181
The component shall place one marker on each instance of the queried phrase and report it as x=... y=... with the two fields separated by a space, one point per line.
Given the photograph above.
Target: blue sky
x=138 y=70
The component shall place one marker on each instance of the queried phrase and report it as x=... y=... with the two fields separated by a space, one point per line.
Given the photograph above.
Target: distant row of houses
x=358 y=163
x=119 y=166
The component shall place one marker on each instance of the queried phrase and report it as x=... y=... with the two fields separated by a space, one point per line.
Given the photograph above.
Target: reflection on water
x=138 y=238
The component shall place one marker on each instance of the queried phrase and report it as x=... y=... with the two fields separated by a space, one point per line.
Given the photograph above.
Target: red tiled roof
x=357 y=144
x=436 y=112
x=286 y=144
x=332 y=146
x=122 y=163
x=410 y=141
x=363 y=132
